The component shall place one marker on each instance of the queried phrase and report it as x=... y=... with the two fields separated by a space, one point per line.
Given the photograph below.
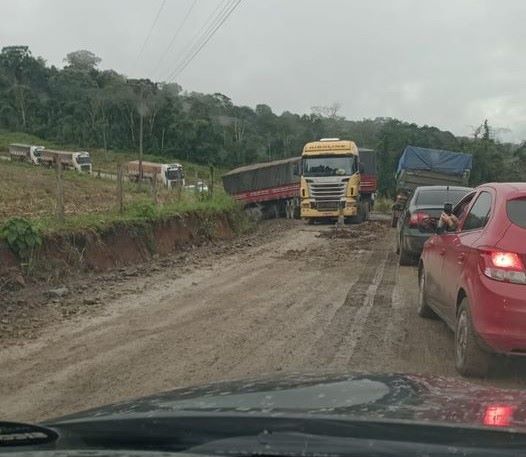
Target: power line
x=154 y=23
x=213 y=32
x=175 y=35
x=198 y=44
x=210 y=20
x=189 y=59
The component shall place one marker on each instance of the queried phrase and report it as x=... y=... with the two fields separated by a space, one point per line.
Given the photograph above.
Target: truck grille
x=85 y=168
x=327 y=195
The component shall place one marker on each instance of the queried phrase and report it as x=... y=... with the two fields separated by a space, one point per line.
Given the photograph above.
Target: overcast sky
x=449 y=63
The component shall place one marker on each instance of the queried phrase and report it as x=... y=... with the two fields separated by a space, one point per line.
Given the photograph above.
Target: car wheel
x=405 y=257
x=470 y=358
x=424 y=309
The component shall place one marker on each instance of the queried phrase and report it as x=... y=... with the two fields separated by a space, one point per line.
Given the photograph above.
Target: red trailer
x=270 y=188
x=369 y=175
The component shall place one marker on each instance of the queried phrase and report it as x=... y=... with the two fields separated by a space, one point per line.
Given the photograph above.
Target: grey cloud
x=449 y=63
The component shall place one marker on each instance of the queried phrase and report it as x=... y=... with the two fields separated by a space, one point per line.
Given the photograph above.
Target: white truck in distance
x=171 y=175
x=79 y=161
x=26 y=153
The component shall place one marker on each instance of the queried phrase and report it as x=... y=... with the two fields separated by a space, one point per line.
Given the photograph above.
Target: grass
x=6 y=138
x=30 y=191
x=139 y=212
x=383 y=205
x=91 y=203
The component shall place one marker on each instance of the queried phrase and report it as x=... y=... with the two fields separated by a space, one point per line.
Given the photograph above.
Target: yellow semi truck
x=330 y=181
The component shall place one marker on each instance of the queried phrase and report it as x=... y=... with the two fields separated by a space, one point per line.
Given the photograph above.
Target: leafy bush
x=21 y=236
x=144 y=210
x=383 y=205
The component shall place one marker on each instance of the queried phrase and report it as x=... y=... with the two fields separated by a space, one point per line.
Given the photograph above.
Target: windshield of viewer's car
x=329 y=166
x=439 y=197
x=245 y=189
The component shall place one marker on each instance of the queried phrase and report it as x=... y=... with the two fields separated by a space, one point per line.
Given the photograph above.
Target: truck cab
x=330 y=180
x=26 y=152
x=35 y=153
x=82 y=162
x=173 y=175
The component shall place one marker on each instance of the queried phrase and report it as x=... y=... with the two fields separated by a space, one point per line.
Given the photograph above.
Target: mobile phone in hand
x=448 y=208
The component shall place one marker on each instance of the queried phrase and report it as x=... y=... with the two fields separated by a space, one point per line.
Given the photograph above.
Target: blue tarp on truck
x=435 y=160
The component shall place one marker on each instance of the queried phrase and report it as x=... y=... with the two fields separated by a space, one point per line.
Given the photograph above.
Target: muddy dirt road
x=304 y=300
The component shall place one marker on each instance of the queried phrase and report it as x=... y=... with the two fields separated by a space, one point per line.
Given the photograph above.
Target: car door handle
x=461 y=257
x=442 y=251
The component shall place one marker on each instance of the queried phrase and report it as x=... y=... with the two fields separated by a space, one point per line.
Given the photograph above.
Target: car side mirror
x=440 y=229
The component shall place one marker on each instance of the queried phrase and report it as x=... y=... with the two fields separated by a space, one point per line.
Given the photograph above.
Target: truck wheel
x=470 y=358
x=423 y=308
x=366 y=211
x=359 y=218
x=296 y=212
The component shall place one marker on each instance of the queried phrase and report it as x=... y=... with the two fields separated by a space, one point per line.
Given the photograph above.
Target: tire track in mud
x=378 y=335
x=338 y=341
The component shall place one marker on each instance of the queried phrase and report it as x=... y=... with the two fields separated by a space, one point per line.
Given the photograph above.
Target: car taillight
x=498 y=415
x=417 y=218
x=503 y=266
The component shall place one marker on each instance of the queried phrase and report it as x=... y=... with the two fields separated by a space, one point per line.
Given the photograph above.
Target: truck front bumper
x=311 y=213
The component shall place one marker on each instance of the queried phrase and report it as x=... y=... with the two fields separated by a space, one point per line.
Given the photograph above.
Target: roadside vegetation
x=29 y=194
x=383 y=205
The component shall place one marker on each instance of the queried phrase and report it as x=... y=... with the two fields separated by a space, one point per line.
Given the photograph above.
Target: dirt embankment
x=119 y=245
x=63 y=275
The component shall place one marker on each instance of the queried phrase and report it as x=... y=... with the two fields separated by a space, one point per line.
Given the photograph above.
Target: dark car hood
x=372 y=396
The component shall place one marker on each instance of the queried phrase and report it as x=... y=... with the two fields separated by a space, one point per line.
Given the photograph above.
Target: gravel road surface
x=305 y=298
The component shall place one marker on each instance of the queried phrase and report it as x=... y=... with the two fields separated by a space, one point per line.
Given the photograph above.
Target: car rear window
x=517 y=211
x=439 y=197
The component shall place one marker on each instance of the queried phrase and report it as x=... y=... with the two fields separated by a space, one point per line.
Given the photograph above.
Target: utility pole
x=211 y=186
x=120 y=188
x=143 y=88
x=60 y=190
x=141 y=124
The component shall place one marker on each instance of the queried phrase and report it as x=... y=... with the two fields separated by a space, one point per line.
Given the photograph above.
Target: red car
x=473 y=276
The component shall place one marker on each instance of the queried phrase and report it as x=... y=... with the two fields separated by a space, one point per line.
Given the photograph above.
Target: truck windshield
x=329 y=166
x=174 y=174
x=37 y=152
x=83 y=160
